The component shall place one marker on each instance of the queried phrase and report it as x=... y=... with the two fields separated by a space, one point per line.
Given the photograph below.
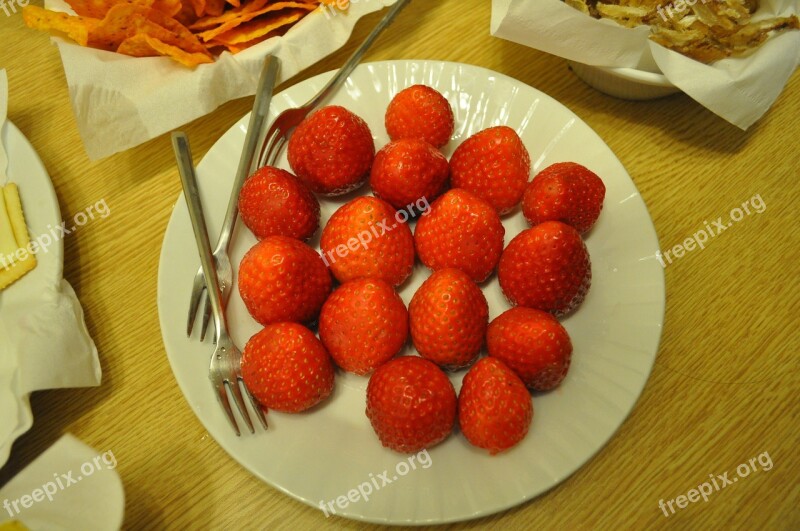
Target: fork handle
x=248 y=160
x=183 y=156
x=354 y=59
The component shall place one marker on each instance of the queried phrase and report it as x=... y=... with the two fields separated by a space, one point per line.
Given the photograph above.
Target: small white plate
x=41 y=215
x=321 y=456
x=40 y=203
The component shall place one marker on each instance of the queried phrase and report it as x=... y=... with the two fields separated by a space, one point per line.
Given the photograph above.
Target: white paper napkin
x=740 y=90
x=120 y=102
x=55 y=499
x=44 y=343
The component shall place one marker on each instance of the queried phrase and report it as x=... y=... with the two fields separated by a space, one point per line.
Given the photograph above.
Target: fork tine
x=198 y=288
x=256 y=406
x=222 y=397
x=272 y=157
x=239 y=399
x=266 y=147
x=206 y=319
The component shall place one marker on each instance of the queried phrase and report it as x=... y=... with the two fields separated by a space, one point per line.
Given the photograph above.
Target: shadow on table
x=53 y=410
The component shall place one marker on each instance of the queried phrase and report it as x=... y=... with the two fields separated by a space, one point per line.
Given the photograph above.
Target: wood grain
x=724 y=388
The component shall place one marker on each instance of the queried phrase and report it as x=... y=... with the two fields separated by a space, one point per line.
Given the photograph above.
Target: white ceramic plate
x=41 y=213
x=321 y=456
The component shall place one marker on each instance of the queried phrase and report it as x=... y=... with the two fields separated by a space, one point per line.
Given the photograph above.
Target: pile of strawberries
x=368 y=248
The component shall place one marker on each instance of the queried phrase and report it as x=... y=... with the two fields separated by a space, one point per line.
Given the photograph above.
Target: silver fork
x=225 y=371
x=285 y=124
x=247 y=164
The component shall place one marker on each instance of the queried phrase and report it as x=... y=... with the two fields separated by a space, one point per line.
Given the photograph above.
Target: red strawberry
x=420 y=112
x=274 y=202
x=494 y=165
x=460 y=231
x=332 y=151
x=494 y=407
x=448 y=316
x=283 y=279
x=365 y=239
x=547 y=268
x=566 y=192
x=286 y=368
x=411 y=404
x=533 y=344
x=406 y=170
x=363 y=325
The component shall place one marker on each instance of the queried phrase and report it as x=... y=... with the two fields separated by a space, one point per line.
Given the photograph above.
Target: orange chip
x=199 y=7
x=187 y=15
x=124 y=20
x=215 y=7
x=147 y=46
x=169 y=7
x=230 y=14
x=236 y=48
x=91 y=8
x=261 y=26
x=247 y=16
x=185 y=30
x=121 y=22
x=99 y=8
x=137 y=46
x=76 y=28
x=181 y=37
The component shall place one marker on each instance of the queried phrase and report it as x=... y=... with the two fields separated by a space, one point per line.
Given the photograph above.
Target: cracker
x=12 y=268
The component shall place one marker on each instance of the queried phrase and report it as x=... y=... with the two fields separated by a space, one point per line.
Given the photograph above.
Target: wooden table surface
x=724 y=388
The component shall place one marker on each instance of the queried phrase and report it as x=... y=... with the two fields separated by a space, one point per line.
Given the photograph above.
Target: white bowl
x=625 y=83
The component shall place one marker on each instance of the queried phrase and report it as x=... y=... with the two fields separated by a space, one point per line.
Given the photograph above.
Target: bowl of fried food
x=187 y=57
x=190 y=32
x=703 y=30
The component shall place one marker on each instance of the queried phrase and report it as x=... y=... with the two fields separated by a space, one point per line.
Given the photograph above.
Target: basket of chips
x=732 y=56
x=139 y=68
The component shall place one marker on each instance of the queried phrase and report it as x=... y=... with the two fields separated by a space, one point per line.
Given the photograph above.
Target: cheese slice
x=15 y=260
x=8 y=243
